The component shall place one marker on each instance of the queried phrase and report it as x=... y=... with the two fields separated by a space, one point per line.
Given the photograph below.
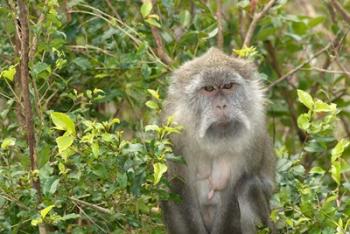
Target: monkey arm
x=182 y=217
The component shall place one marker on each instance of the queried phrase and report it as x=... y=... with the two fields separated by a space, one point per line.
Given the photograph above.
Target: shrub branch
x=256 y=17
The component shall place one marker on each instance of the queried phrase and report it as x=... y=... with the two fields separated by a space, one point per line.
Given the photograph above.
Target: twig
x=285 y=93
x=337 y=60
x=24 y=60
x=346 y=126
x=241 y=24
x=294 y=70
x=162 y=54
x=256 y=17
x=115 y=13
x=220 y=37
x=341 y=10
x=35 y=38
x=96 y=207
x=87 y=47
x=323 y=70
x=66 y=9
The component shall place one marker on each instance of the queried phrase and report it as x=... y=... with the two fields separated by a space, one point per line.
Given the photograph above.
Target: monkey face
x=217 y=99
x=220 y=101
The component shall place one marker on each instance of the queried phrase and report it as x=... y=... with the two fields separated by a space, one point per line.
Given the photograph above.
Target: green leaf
x=154 y=93
x=152 y=105
x=159 y=170
x=317 y=170
x=36 y=222
x=63 y=142
x=324 y=107
x=7 y=142
x=62 y=168
x=70 y=216
x=44 y=155
x=95 y=149
x=9 y=73
x=41 y=69
x=305 y=99
x=185 y=18
x=153 y=22
x=304 y=121
x=54 y=186
x=115 y=121
x=83 y=63
x=45 y=211
x=63 y=122
x=146 y=8
x=335 y=171
x=151 y=127
x=338 y=150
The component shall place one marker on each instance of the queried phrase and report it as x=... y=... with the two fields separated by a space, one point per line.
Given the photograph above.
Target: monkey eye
x=227 y=86
x=209 y=88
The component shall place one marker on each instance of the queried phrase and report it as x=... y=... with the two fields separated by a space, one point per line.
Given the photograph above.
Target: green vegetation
x=87 y=154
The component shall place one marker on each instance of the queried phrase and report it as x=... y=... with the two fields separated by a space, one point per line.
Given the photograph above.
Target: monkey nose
x=221 y=107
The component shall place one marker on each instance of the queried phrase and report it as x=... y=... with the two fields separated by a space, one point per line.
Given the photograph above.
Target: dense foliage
x=98 y=75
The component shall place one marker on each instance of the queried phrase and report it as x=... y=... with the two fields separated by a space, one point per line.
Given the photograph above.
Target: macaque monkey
x=228 y=178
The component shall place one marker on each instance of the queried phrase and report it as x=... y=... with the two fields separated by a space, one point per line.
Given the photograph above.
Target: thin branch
x=115 y=13
x=256 y=17
x=66 y=9
x=241 y=24
x=285 y=93
x=95 y=207
x=35 y=37
x=162 y=54
x=319 y=69
x=87 y=47
x=337 y=60
x=341 y=10
x=297 y=68
x=24 y=76
x=220 y=37
x=345 y=125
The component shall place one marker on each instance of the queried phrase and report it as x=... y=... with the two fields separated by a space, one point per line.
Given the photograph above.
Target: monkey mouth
x=222 y=129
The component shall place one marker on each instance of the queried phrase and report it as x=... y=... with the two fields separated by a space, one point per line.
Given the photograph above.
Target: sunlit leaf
x=95 y=149
x=7 y=142
x=152 y=105
x=9 y=73
x=305 y=99
x=154 y=93
x=338 y=150
x=151 y=127
x=159 y=170
x=63 y=122
x=146 y=8
x=45 y=211
x=304 y=121
x=63 y=142
x=153 y=22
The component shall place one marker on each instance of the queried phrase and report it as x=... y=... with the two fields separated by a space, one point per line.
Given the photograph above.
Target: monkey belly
x=212 y=179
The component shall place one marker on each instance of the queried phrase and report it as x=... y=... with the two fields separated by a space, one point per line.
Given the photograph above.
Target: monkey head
x=217 y=97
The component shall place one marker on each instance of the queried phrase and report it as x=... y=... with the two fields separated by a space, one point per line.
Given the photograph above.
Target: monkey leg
x=183 y=217
x=254 y=203
x=228 y=215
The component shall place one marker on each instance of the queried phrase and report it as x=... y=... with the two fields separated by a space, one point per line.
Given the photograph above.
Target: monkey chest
x=212 y=177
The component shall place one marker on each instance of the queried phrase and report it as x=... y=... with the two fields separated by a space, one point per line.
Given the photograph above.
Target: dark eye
x=209 y=88
x=228 y=86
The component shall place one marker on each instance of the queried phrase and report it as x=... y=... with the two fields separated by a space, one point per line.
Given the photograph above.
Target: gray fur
x=228 y=177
